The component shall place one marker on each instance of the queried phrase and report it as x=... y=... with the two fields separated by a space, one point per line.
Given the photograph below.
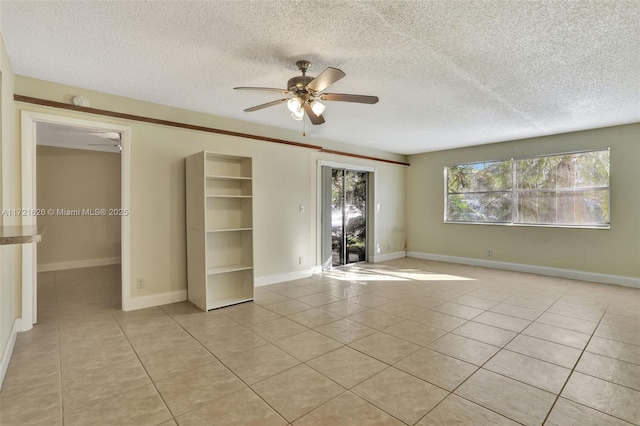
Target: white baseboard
x=533 y=269
x=8 y=349
x=75 y=264
x=155 y=300
x=387 y=256
x=279 y=278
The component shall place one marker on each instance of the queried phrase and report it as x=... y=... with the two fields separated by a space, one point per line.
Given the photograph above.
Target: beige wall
x=10 y=256
x=614 y=252
x=284 y=178
x=77 y=179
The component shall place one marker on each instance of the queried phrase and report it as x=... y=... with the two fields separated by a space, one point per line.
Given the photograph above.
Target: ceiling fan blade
x=325 y=79
x=315 y=119
x=343 y=97
x=264 y=89
x=268 y=104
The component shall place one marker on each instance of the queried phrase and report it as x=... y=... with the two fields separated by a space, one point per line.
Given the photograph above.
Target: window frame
x=514 y=190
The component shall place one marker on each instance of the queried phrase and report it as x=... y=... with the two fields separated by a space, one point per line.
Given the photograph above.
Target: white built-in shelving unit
x=219 y=229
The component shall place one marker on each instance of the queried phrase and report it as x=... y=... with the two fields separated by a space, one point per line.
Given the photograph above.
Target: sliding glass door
x=347 y=206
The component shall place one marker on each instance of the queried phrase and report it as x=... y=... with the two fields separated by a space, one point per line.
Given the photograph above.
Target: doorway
x=29 y=122
x=345 y=225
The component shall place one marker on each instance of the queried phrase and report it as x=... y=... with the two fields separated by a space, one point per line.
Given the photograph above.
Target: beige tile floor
x=402 y=342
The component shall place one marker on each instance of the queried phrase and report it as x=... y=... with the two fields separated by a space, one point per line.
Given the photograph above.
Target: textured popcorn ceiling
x=448 y=73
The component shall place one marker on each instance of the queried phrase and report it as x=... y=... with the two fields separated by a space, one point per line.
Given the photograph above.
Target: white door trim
x=28 y=162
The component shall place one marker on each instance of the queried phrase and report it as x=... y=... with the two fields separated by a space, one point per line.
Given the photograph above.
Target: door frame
x=371 y=202
x=28 y=174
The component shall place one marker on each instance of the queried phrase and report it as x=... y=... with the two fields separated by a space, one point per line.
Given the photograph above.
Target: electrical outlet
x=300 y=260
x=489 y=252
x=140 y=283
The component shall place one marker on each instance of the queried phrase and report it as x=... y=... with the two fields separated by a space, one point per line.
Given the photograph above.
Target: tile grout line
x=574 y=367
x=480 y=367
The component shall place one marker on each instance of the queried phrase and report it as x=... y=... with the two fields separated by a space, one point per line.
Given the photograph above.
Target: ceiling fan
x=307 y=94
x=112 y=136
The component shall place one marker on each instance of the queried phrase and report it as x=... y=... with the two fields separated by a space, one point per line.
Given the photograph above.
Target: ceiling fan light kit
x=307 y=93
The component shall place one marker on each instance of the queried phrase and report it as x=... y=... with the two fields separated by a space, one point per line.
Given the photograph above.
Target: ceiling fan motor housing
x=298 y=85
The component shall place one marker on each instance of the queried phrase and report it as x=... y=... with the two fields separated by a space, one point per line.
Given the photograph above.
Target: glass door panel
x=348 y=216
x=337 y=217
x=355 y=215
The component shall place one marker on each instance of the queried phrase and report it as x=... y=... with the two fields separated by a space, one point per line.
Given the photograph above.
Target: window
x=559 y=190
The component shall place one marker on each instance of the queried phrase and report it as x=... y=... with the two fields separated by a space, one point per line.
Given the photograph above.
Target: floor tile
x=613 y=349
x=184 y=391
x=622 y=321
x=540 y=304
x=557 y=335
x=384 y=347
x=230 y=342
x=569 y=413
x=318 y=299
x=475 y=302
x=277 y=329
x=603 y=396
x=241 y=408
x=516 y=311
x=161 y=340
x=260 y=363
x=79 y=342
x=458 y=310
x=502 y=321
x=436 y=368
x=307 y=345
x=532 y=371
x=401 y=309
x=458 y=411
x=619 y=372
x=249 y=313
x=401 y=395
x=268 y=298
x=294 y=292
x=346 y=366
x=85 y=386
x=485 y=333
x=465 y=349
x=142 y=406
x=624 y=335
x=348 y=410
x=369 y=300
x=176 y=360
x=575 y=324
x=414 y=332
x=288 y=307
x=35 y=405
x=345 y=331
x=576 y=312
x=510 y=398
x=297 y=391
x=546 y=351
x=375 y=319
x=30 y=375
x=344 y=308
x=437 y=320
x=313 y=318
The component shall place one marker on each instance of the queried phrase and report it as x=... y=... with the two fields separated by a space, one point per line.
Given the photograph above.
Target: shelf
x=227 y=268
x=230 y=230
x=227 y=177
x=221 y=303
x=219 y=200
